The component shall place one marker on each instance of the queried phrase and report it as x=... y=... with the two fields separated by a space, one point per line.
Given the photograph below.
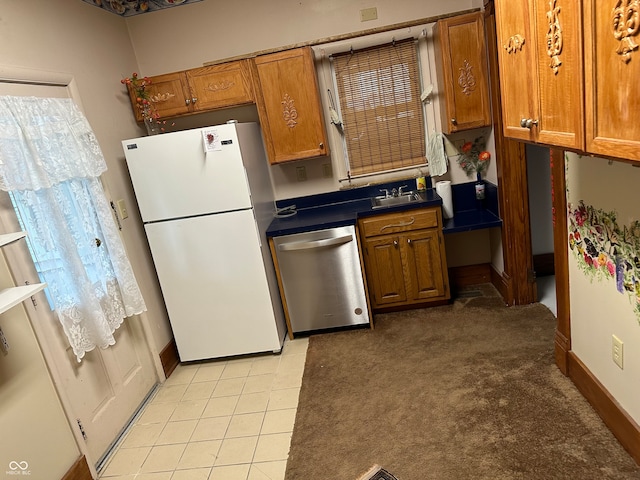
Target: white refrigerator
x=206 y=200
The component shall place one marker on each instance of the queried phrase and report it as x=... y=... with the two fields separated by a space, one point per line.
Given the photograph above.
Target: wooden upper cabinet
x=540 y=61
x=169 y=93
x=220 y=86
x=560 y=70
x=612 y=78
x=462 y=72
x=200 y=89
x=289 y=105
x=516 y=54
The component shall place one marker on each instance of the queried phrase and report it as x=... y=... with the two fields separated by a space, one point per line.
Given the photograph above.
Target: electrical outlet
x=326 y=170
x=617 y=351
x=122 y=209
x=301 y=174
x=368 y=14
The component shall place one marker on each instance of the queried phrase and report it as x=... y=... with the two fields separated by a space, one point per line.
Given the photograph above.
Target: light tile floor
x=219 y=420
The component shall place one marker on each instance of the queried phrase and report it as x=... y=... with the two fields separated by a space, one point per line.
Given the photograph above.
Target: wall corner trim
x=625 y=429
x=79 y=470
x=169 y=358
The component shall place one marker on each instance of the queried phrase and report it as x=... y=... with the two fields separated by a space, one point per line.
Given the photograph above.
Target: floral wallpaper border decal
x=605 y=250
x=126 y=8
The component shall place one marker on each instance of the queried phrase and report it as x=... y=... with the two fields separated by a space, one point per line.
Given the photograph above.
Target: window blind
x=379 y=94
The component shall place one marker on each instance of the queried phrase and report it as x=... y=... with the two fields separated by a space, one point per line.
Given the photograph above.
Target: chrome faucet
x=386 y=192
x=394 y=192
x=400 y=189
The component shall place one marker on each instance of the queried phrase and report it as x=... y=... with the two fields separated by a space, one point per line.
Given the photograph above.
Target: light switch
x=368 y=14
x=122 y=209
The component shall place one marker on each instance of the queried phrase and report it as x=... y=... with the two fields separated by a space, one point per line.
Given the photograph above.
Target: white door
x=107 y=387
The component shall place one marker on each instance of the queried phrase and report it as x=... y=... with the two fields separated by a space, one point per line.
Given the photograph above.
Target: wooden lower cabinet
x=404 y=257
x=384 y=272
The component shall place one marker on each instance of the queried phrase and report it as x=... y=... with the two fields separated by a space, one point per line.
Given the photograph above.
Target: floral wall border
x=127 y=8
x=605 y=250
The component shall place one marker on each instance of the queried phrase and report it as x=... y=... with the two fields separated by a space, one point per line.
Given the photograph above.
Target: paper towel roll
x=443 y=188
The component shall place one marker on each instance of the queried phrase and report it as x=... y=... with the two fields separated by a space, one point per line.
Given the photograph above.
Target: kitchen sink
x=392 y=201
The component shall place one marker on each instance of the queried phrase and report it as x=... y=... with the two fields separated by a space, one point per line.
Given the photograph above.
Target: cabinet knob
x=395 y=243
x=528 y=122
x=409 y=241
x=454 y=121
x=194 y=99
x=187 y=101
x=321 y=146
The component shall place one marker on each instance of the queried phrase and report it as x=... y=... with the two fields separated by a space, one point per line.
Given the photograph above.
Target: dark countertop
x=337 y=209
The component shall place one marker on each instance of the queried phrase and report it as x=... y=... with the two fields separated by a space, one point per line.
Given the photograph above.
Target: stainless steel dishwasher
x=322 y=279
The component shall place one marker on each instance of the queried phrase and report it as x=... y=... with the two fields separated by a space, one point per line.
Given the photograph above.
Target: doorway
x=541 y=220
x=102 y=393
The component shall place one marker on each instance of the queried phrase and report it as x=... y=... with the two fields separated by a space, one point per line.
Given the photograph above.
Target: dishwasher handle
x=325 y=242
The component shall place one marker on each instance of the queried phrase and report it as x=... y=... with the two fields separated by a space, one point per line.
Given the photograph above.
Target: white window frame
x=326 y=83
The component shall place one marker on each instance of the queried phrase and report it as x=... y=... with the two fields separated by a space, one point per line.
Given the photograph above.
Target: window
x=379 y=95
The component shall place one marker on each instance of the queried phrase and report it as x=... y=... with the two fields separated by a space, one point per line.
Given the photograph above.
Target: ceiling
x=127 y=8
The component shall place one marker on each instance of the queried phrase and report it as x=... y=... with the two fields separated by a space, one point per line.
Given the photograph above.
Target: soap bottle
x=479 y=187
x=421 y=181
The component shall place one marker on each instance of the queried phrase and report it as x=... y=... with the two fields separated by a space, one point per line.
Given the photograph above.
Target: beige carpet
x=463 y=391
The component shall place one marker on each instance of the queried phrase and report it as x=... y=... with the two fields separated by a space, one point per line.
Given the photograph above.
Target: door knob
x=528 y=122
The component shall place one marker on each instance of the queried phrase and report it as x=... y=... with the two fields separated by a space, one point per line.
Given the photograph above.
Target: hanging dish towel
x=436 y=156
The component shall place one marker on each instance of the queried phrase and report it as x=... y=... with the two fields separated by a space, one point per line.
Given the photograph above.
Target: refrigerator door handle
x=325 y=242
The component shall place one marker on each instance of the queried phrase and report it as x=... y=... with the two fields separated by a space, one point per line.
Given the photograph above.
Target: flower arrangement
x=473 y=158
x=147 y=108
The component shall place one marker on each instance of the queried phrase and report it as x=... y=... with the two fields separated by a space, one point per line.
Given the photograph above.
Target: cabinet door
x=289 y=105
x=383 y=261
x=170 y=94
x=427 y=279
x=462 y=72
x=516 y=57
x=220 y=86
x=612 y=73
x=558 y=27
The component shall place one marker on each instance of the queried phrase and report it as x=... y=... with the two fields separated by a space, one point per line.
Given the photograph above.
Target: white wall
x=210 y=31
x=188 y=36
x=598 y=310
x=91 y=45
x=222 y=30
x=33 y=425
x=540 y=201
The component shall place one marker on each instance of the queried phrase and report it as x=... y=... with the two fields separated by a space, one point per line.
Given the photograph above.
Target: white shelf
x=12 y=296
x=7 y=238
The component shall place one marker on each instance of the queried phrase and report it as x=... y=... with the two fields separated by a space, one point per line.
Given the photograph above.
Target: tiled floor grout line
x=251 y=385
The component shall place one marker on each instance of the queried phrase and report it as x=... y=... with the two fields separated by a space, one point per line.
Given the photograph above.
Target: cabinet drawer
x=400 y=222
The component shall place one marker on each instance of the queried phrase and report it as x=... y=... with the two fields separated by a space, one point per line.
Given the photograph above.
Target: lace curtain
x=50 y=162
